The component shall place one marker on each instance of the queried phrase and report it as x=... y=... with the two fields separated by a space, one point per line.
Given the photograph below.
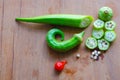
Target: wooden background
x=24 y=54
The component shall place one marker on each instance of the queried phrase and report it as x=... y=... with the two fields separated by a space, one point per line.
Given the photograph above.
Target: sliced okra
x=97 y=33
x=91 y=43
x=110 y=36
x=103 y=44
x=105 y=13
x=98 y=24
x=110 y=25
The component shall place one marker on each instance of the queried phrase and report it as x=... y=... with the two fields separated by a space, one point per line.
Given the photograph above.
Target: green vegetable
x=103 y=44
x=105 y=13
x=79 y=21
x=91 y=43
x=98 y=24
x=62 y=45
x=97 y=33
x=110 y=25
x=110 y=36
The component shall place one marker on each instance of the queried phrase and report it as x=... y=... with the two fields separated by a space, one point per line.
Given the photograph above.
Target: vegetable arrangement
x=77 y=21
x=103 y=32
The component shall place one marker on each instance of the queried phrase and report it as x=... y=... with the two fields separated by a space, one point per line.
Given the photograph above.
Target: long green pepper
x=63 y=46
x=78 y=21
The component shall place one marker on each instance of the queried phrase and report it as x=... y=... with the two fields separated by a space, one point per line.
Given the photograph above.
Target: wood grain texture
x=1 y=14
x=24 y=54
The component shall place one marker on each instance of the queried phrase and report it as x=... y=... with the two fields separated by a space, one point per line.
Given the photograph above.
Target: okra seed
x=95 y=57
x=95 y=51
x=99 y=52
x=78 y=56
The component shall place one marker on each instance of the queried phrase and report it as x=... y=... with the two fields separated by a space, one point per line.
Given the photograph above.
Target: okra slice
x=97 y=33
x=105 y=13
x=110 y=36
x=103 y=44
x=110 y=25
x=91 y=43
x=98 y=24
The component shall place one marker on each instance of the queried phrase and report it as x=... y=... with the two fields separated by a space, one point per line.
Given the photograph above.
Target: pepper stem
x=80 y=35
x=64 y=62
x=106 y=12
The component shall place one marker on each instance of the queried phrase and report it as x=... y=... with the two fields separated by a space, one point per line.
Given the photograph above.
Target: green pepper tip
x=80 y=35
x=18 y=19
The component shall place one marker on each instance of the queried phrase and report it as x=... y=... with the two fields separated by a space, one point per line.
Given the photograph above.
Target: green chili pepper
x=63 y=46
x=79 y=21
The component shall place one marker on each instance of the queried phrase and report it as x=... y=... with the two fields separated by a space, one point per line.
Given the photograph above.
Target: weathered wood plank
x=10 y=10
x=1 y=22
x=32 y=56
x=24 y=54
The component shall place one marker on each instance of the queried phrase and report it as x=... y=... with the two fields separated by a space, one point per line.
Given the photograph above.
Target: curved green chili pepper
x=79 y=21
x=63 y=46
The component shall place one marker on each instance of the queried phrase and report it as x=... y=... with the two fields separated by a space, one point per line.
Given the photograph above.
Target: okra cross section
x=110 y=36
x=103 y=44
x=97 y=33
x=91 y=43
x=98 y=24
x=110 y=25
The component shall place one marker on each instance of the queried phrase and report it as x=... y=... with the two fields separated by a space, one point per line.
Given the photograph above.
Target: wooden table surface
x=24 y=54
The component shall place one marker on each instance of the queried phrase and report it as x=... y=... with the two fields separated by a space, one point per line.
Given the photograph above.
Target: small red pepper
x=59 y=66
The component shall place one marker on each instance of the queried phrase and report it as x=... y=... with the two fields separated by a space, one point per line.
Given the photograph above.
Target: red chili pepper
x=59 y=66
